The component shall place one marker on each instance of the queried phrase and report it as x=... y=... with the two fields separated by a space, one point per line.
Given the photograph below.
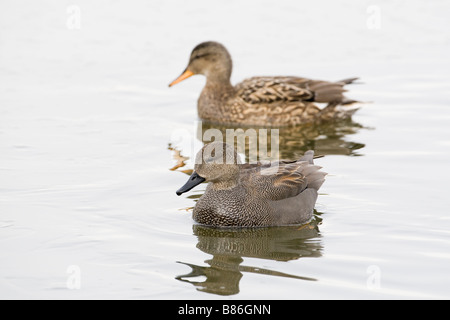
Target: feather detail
x=285 y=179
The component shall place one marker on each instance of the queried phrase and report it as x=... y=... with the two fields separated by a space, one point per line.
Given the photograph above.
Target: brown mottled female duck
x=261 y=101
x=253 y=195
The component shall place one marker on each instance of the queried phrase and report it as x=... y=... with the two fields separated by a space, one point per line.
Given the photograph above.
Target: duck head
x=216 y=162
x=210 y=59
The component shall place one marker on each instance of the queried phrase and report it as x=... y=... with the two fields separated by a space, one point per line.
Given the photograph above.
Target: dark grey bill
x=194 y=180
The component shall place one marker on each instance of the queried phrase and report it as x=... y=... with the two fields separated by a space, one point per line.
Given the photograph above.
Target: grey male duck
x=262 y=101
x=253 y=195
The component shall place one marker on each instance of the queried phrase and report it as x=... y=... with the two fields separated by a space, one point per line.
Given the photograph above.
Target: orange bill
x=186 y=74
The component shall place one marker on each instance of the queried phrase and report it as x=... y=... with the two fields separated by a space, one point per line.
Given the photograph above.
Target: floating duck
x=253 y=195
x=262 y=101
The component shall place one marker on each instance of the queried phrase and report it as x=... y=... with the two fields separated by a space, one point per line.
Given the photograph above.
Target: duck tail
x=348 y=80
x=312 y=173
x=308 y=156
x=346 y=101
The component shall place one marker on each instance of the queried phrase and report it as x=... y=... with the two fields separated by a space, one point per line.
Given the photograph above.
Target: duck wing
x=283 y=179
x=258 y=90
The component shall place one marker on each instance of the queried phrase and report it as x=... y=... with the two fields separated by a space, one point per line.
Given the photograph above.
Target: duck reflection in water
x=229 y=246
x=291 y=142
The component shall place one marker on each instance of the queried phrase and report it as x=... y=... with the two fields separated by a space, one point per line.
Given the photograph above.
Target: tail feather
x=308 y=156
x=348 y=80
x=317 y=183
x=348 y=101
x=312 y=173
x=328 y=91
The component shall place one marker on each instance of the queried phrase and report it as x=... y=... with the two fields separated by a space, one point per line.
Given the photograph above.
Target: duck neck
x=219 y=75
x=215 y=95
x=227 y=183
x=218 y=80
x=224 y=185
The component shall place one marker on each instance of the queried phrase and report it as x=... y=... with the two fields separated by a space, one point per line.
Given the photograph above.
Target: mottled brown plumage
x=262 y=101
x=253 y=195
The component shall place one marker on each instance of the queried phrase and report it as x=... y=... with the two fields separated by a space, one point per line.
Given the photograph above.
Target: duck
x=269 y=101
x=239 y=194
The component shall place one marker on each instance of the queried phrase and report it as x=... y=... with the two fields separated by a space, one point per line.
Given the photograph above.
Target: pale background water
x=86 y=118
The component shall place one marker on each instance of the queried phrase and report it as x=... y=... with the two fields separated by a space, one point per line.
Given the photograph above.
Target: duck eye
x=198 y=56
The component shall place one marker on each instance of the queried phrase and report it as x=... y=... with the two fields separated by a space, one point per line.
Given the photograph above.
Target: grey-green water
x=87 y=199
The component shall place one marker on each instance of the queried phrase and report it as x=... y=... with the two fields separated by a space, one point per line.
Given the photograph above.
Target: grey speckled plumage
x=262 y=101
x=253 y=195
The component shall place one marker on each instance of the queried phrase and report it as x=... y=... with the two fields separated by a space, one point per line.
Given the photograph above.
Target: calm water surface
x=94 y=145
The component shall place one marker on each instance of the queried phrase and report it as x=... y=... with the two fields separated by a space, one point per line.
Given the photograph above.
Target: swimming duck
x=253 y=195
x=261 y=101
